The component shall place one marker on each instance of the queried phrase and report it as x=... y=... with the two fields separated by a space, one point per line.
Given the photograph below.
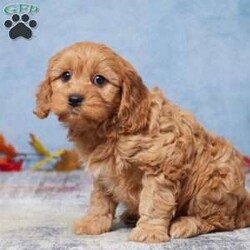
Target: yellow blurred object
x=38 y=165
x=38 y=146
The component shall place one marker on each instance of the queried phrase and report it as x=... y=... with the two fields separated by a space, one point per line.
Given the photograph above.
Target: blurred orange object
x=7 y=149
x=68 y=161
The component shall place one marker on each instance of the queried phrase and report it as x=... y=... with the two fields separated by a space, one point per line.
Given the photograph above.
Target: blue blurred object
x=198 y=52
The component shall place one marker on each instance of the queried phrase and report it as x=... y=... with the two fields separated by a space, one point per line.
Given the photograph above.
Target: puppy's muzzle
x=75 y=100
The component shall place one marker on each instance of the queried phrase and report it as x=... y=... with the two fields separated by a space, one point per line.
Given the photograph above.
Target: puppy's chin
x=73 y=120
x=79 y=121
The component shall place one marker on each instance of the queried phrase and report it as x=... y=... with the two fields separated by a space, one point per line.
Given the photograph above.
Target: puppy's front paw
x=93 y=224
x=147 y=235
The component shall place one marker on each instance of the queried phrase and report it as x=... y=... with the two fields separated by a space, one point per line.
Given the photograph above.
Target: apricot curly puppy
x=176 y=178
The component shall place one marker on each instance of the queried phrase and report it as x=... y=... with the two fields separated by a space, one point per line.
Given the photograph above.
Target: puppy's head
x=87 y=83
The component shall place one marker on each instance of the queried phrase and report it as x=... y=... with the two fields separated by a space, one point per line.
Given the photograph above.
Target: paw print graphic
x=20 y=27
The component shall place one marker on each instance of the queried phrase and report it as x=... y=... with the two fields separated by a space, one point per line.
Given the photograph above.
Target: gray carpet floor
x=37 y=211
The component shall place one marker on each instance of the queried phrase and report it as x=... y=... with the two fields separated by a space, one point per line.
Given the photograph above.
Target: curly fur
x=174 y=177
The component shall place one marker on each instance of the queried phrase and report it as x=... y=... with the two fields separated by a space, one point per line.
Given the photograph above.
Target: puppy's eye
x=99 y=80
x=65 y=76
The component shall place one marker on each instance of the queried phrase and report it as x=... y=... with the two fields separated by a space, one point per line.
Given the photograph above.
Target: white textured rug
x=37 y=211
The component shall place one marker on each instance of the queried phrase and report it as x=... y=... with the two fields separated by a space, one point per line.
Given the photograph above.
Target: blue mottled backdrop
x=198 y=52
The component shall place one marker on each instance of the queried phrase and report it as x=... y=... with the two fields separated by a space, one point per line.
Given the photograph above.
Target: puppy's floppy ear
x=134 y=106
x=43 y=99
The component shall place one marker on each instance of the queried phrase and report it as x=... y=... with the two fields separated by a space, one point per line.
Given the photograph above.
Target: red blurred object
x=9 y=165
x=247 y=161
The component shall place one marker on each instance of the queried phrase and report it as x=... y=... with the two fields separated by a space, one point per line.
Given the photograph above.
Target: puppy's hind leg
x=189 y=226
x=243 y=214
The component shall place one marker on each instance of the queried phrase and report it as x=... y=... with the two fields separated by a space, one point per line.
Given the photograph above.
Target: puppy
x=175 y=178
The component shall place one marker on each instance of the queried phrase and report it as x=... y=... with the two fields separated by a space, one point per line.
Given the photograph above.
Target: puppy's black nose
x=75 y=100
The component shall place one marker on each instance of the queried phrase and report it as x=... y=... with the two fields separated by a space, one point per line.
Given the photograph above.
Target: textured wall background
x=198 y=52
